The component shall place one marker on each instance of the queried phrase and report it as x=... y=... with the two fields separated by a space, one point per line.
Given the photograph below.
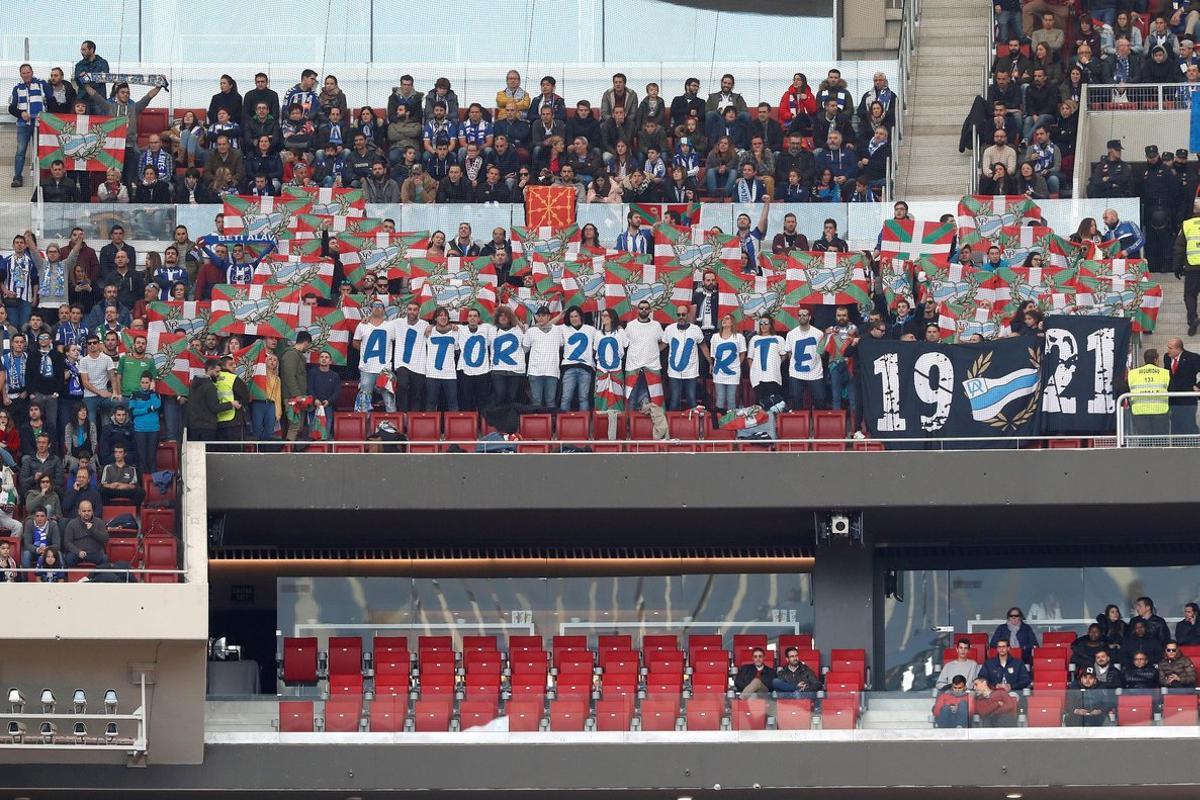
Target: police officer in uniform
x=1185 y=262
x=1187 y=186
x=1160 y=189
x=1148 y=385
x=1112 y=176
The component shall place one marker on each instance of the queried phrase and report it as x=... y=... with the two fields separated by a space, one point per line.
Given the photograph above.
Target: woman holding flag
x=610 y=354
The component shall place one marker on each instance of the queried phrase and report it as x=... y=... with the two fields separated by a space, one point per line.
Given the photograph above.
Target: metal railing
x=1175 y=428
x=1139 y=97
x=910 y=21
x=73 y=574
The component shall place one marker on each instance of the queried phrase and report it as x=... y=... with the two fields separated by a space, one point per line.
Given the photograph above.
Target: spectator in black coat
x=1140 y=640
x=151 y=189
x=755 y=677
x=229 y=99
x=58 y=188
x=1187 y=630
x=1085 y=648
x=1156 y=626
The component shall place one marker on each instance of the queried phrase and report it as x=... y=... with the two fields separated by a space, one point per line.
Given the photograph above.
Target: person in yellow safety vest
x=1186 y=261
x=1149 y=406
x=233 y=390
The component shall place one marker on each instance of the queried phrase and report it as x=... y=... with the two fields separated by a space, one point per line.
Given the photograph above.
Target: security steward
x=231 y=390
x=1149 y=406
x=1186 y=263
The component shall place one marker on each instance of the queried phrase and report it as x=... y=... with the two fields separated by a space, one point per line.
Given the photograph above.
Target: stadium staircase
x=1172 y=319
x=8 y=149
x=948 y=66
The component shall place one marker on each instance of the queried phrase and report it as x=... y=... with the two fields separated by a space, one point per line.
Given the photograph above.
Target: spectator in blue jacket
x=1017 y=630
x=1005 y=672
x=144 y=405
x=1129 y=235
x=731 y=125
x=838 y=159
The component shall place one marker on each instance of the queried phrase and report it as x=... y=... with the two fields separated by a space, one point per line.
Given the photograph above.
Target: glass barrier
x=142 y=222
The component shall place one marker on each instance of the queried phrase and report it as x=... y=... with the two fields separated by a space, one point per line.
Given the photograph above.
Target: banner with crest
x=264 y=216
x=331 y=330
x=250 y=364
x=980 y=217
x=696 y=249
x=172 y=366
x=262 y=310
x=830 y=278
x=84 y=143
x=910 y=238
x=189 y=317
x=385 y=254
x=632 y=280
x=458 y=285
x=307 y=274
x=551 y=243
x=334 y=202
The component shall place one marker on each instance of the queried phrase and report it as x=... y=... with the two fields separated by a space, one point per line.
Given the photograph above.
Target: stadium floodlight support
x=16 y=701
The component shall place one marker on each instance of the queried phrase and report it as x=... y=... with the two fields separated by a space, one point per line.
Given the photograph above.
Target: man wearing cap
x=1160 y=196
x=1088 y=706
x=1112 y=176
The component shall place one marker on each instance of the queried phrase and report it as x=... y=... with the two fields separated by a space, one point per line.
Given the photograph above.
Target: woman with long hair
x=611 y=343
x=764 y=351
x=727 y=351
x=79 y=436
x=265 y=414
x=508 y=356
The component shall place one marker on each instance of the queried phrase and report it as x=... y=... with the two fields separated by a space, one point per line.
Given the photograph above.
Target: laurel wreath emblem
x=1002 y=421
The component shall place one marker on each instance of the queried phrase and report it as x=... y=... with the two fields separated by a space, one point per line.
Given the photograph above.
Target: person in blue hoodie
x=145 y=404
x=1005 y=672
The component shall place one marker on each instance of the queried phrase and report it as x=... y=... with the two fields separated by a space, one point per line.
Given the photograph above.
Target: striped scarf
x=30 y=97
x=135 y=78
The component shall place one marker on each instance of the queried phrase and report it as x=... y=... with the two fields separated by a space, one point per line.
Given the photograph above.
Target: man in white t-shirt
x=408 y=357
x=543 y=341
x=684 y=344
x=475 y=385
x=372 y=339
x=579 y=341
x=806 y=373
x=98 y=374
x=441 y=365
x=643 y=359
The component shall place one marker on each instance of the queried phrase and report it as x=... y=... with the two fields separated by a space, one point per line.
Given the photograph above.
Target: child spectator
x=49 y=567
x=8 y=564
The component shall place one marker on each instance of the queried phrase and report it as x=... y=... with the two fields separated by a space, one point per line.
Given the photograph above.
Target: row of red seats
x=391 y=715
x=143 y=553
x=430 y=432
x=1047 y=709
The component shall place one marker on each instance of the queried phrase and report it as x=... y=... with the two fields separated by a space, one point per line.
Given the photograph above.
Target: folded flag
x=741 y=418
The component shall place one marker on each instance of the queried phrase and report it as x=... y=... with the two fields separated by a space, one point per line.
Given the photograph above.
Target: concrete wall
x=1135 y=129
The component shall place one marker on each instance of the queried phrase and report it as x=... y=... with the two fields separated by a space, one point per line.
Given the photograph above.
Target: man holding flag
x=26 y=102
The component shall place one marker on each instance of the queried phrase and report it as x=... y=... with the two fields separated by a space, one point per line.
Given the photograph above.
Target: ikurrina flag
x=695 y=248
x=461 y=284
x=980 y=217
x=309 y=274
x=83 y=142
x=741 y=418
x=896 y=276
x=310 y=225
x=250 y=364
x=748 y=297
x=631 y=281
x=830 y=278
x=1018 y=242
x=172 y=366
x=911 y=239
x=189 y=317
x=1136 y=299
x=1017 y=285
x=330 y=329
x=525 y=301
x=262 y=310
x=551 y=243
x=264 y=216
x=381 y=254
x=335 y=202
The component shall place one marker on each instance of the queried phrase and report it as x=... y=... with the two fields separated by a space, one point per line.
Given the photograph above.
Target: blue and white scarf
x=30 y=97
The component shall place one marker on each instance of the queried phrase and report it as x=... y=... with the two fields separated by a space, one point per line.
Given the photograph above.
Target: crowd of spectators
x=425 y=147
x=1142 y=655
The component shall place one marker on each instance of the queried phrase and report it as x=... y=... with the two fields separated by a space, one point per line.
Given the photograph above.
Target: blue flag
x=1194 y=138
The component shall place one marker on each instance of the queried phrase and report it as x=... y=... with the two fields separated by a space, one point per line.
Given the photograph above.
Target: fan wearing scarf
x=26 y=102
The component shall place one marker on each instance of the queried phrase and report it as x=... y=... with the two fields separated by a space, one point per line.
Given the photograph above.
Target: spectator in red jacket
x=996 y=708
x=954 y=706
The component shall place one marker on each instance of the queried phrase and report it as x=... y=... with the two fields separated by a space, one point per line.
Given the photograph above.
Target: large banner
x=1015 y=386
x=1083 y=358
x=82 y=142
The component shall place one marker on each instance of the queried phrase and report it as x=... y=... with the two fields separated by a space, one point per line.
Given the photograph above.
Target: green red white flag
x=336 y=202
x=911 y=239
x=264 y=216
x=943 y=282
x=524 y=301
x=630 y=281
x=85 y=143
x=308 y=274
x=172 y=366
x=309 y=225
x=463 y=284
x=552 y=244
x=262 y=310
x=742 y=418
x=330 y=328
x=189 y=317
x=748 y=297
x=896 y=274
x=829 y=278
x=957 y=322
x=1018 y=242
x=582 y=282
x=1138 y=299
x=980 y=217
x=250 y=364
x=696 y=249
x=385 y=254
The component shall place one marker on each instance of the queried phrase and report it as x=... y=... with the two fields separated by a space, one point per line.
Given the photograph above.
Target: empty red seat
x=1179 y=709
x=156 y=497
x=623 y=642
x=573 y=426
x=300 y=659
x=839 y=711
x=660 y=713
x=843 y=681
x=1135 y=709
x=704 y=714
x=829 y=424
x=349 y=426
x=719 y=440
x=342 y=714
x=600 y=428
x=160 y=554
x=793 y=715
x=387 y=714
x=614 y=714
x=750 y=714
x=523 y=643
x=435 y=643
x=524 y=715
x=475 y=713
x=744 y=640
x=1044 y=710
x=118 y=549
x=345 y=655
x=296 y=716
x=684 y=425
x=424 y=428
x=568 y=714
x=394 y=648
x=345 y=685
x=1192 y=651
x=869 y=445
x=659 y=642
x=1059 y=637
x=461 y=426
x=793 y=425
x=167 y=456
x=483 y=671
x=1065 y=444
x=485 y=643
x=391 y=677
x=432 y=715
x=536 y=427
x=158 y=522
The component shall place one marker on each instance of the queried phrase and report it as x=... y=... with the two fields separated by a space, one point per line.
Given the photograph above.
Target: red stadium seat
x=1045 y=710
x=705 y=641
x=396 y=418
x=1136 y=709
x=441 y=643
x=869 y=445
x=296 y=716
x=811 y=659
x=1059 y=637
x=461 y=426
x=704 y=714
x=793 y=715
x=394 y=648
x=793 y=425
x=158 y=522
x=1192 y=651
x=524 y=715
x=1065 y=444
x=568 y=714
x=392 y=677
x=641 y=428
x=600 y=426
x=801 y=641
x=167 y=456
x=387 y=715
x=345 y=655
x=829 y=424
x=479 y=643
x=536 y=427
x=614 y=714
x=1179 y=709
x=349 y=426
x=342 y=714
x=118 y=549
x=660 y=713
x=423 y=428
x=659 y=642
x=573 y=426
x=750 y=714
x=432 y=715
x=299 y=660
x=475 y=713
x=574 y=642
x=518 y=644
x=839 y=710
x=155 y=497
x=623 y=642
x=482 y=674
x=744 y=640
x=346 y=396
x=719 y=440
x=160 y=554
x=345 y=685
x=684 y=425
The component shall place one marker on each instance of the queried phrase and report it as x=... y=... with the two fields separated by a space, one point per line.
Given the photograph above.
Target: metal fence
x=1175 y=428
x=1139 y=97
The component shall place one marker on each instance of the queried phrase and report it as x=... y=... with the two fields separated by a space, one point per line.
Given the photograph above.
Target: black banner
x=1083 y=358
x=914 y=390
x=1018 y=386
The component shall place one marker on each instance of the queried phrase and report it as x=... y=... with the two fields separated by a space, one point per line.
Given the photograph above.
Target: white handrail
x=1165 y=439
